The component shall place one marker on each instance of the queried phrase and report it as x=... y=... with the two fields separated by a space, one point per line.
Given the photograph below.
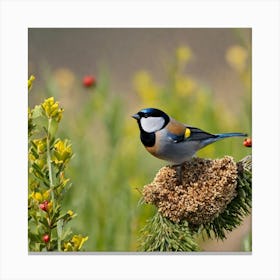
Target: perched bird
x=170 y=140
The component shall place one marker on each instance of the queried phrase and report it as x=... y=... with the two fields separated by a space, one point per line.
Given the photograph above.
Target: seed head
x=207 y=188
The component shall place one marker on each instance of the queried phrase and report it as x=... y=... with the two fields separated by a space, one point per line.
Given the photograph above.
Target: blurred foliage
x=110 y=163
x=247 y=243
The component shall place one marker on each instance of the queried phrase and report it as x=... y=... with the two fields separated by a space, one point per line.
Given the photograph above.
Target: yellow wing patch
x=187 y=133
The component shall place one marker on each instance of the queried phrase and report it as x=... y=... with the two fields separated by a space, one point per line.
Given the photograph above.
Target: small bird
x=172 y=141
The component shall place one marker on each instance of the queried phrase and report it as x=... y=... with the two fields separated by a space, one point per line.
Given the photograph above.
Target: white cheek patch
x=152 y=124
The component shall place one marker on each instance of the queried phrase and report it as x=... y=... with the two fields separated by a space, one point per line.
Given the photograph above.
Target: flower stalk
x=49 y=160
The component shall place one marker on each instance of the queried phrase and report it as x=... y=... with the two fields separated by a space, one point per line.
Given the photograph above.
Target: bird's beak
x=136 y=116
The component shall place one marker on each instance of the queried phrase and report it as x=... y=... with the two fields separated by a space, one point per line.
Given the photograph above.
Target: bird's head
x=151 y=120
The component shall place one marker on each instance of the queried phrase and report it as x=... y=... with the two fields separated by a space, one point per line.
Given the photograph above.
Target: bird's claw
x=179 y=168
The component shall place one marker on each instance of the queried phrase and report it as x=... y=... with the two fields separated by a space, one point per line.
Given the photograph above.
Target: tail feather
x=233 y=134
x=217 y=137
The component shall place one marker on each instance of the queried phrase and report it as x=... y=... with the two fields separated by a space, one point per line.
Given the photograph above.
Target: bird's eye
x=145 y=115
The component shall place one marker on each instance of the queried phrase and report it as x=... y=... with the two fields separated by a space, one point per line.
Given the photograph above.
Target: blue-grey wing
x=192 y=134
x=197 y=134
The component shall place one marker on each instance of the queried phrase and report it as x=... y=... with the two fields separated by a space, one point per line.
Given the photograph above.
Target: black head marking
x=149 y=138
x=151 y=112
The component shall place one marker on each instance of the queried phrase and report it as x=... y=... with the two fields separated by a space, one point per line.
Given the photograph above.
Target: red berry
x=46 y=238
x=247 y=142
x=89 y=81
x=44 y=206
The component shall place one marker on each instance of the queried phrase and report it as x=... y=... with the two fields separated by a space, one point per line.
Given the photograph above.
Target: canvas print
x=139 y=140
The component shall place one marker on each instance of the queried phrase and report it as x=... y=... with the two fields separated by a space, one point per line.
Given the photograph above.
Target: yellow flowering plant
x=48 y=158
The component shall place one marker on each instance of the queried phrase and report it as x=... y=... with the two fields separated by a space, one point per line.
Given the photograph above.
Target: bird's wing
x=179 y=132
x=197 y=134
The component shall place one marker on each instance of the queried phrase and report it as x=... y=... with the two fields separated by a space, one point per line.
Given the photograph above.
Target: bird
x=172 y=141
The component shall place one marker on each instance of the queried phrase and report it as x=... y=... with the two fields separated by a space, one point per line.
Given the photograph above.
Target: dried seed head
x=207 y=188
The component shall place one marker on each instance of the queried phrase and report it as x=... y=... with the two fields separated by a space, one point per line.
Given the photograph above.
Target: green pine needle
x=162 y=235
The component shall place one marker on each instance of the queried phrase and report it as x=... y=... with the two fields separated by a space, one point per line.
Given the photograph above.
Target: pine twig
x=162 y=235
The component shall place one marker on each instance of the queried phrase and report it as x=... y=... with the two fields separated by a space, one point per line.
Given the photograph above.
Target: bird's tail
x=233 y=134
x=217 y=137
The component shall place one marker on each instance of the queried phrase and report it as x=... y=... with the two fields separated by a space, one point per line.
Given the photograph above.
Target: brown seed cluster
x=206 y=189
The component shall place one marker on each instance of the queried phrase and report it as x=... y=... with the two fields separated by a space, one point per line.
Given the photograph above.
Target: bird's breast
x=151 y=142
x=148 y=139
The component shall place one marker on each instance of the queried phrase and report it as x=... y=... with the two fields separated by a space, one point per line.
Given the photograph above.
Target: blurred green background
x=201 y=77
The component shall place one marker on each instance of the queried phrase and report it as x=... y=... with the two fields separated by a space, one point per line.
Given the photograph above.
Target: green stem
x=49 y=160
x=49 y=232
x=51 y=174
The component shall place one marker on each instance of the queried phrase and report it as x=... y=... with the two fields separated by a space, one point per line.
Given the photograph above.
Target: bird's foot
x=179 y=168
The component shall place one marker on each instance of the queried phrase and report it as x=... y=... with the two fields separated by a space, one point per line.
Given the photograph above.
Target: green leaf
x=41 y=121
x=59 y=228
x=66 y=233
x=37 y=168
x=44 y=222
x=53 y=127
x=34 y=237
x=37 y=112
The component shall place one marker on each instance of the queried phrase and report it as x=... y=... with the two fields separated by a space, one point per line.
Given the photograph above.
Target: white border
x=262 y=16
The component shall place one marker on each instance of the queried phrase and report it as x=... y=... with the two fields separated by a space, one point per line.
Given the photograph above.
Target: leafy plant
x=48 y=158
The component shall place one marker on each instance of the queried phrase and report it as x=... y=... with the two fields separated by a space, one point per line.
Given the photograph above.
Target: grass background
x=199 y=76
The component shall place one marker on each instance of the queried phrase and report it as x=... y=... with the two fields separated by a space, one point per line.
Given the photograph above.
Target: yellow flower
x=145 y=87
x=40 y=197
x=78 y=241
x=64 y=78
x=183 y=54
x=62 y=151
x=68 y=247
x=236 y=57
x=52 y=109
x=184 y=85
x=41 y=145
x=70 y=213
x=31 y=157
x=36 y=196
x=30 y=82
x=46 y=195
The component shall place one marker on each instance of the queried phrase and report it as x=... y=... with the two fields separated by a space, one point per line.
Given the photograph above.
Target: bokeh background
x=201 y=76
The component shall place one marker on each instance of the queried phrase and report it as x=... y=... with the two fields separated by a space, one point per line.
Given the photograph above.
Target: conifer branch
x=214 y=197
x=162 y=235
